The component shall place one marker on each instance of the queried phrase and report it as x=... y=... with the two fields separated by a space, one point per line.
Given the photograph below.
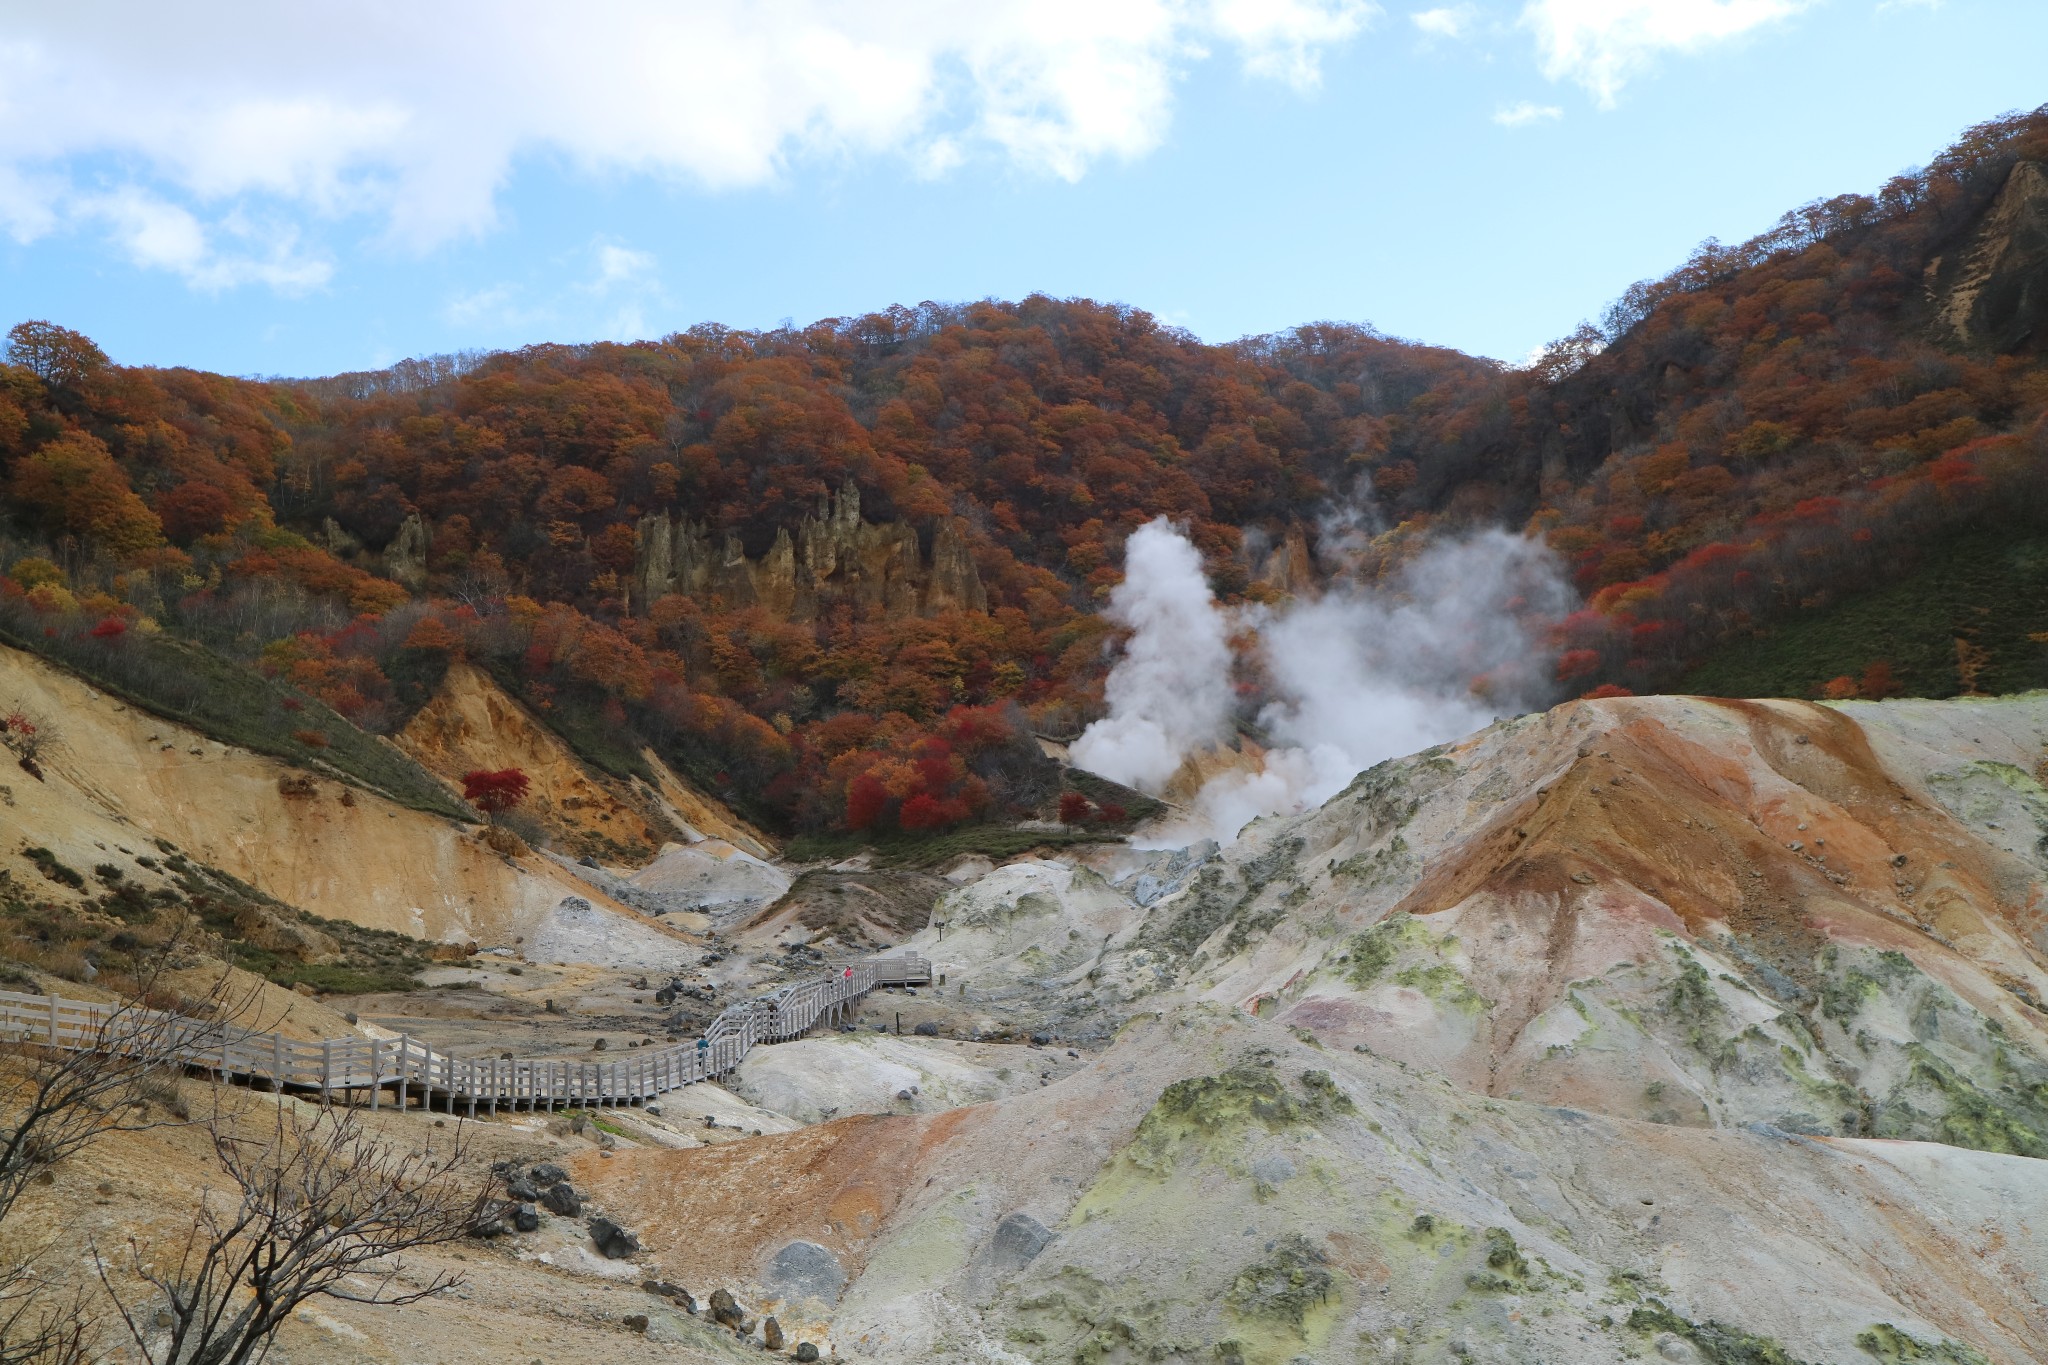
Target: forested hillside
x=839 y=573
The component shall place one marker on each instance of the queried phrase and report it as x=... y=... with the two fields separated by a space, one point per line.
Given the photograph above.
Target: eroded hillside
x=1667 y=1027
x=1662 y=1025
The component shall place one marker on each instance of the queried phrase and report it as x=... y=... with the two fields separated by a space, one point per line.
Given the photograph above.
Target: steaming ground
x=1656 y=1028
x=1358 y=674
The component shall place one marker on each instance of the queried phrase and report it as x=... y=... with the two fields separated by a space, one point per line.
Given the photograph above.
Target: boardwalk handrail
x=353 y=1063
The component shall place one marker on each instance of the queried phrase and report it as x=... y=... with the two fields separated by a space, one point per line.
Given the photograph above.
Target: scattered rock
x=725 y=1310
x=519 y=1187
x=1016 y=1243
x=636 y=1322
x=771 y=1335
x=525 y=1218
x=548 y=1173
x=926 y=1030
x=805 y=1351
x=562 y=1199
x=613 y=1242
x=675 y=1293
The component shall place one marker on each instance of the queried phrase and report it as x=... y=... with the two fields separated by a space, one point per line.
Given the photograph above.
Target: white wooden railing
x=346 y=1067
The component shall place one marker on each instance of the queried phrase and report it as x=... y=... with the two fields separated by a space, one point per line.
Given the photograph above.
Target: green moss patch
x=1894 y=1347
x=1718 y=1342
x=1204 y=1107
x=1291 y=1279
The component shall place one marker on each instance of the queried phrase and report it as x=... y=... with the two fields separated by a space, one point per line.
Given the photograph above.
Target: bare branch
x=319 y=1200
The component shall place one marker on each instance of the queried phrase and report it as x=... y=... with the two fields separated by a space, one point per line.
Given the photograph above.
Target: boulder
x=613 y=1242
x=725 y=1310
x=805 y=1270
x=520 y=1188
x=525 y=1218
x=675 y=1293
x=562 y=1199
x=548 y=1173
x=805 y=1351
x=636 y=1322
x=1016 y=1243
x=771 y=1334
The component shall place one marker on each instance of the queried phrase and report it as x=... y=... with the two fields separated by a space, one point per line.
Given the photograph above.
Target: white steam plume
x=1169 y=694
x=1358 y=676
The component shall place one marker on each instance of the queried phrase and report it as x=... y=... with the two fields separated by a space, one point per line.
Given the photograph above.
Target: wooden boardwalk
x=352 y=1068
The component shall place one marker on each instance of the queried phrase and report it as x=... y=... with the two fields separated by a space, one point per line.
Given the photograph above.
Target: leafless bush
x=58 y=1100
x=319 y=1206
x=54 y=1102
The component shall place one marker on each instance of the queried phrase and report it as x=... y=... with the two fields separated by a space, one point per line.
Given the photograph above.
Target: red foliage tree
x=494 y=793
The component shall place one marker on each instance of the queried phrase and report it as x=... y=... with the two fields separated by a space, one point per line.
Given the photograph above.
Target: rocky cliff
x=833 y=559
x=1991 y=291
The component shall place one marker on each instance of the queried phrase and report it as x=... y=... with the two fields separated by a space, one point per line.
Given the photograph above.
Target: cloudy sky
x=301 y=189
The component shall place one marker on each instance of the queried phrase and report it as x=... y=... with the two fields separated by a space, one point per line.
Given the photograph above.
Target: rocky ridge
x=834 y=559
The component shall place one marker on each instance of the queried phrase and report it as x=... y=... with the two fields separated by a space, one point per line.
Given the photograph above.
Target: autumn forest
x=1814 y=462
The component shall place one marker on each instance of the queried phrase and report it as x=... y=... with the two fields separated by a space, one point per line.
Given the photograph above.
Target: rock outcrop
x=834 y=559
x=1991 y=293
x=405 y=558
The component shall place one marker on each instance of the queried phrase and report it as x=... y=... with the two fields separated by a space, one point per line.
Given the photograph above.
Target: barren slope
x=121 y=778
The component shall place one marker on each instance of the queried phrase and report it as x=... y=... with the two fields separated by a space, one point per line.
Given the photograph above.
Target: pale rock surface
x=712 y=876
x=576 y=930
x=822 y=1077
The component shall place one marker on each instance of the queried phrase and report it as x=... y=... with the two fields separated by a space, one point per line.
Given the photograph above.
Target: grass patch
x=114 y=931
x=1987 y=588
x=1506 y=1268
x=46 y=863
x=1137 y=806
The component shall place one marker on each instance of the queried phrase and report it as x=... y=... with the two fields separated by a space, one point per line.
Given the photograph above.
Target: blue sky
x=266 y=191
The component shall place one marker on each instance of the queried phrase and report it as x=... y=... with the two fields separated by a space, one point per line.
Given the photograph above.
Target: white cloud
x=604 y=291
x=156 y=234
x=415 y=115
x=620 y=265
x=1526 y=112
x=493 y=306
x=1601 y=44
x=1446 y=21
